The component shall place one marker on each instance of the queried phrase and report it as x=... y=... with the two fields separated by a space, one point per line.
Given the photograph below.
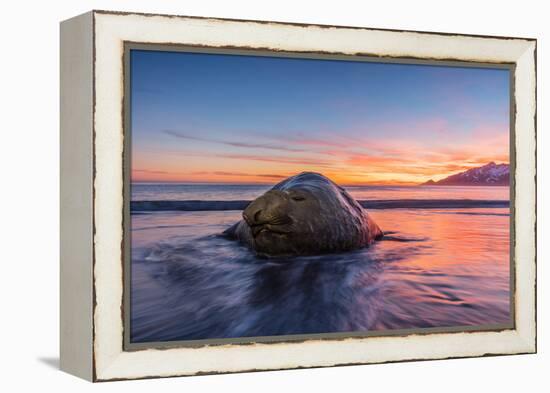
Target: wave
x=197 y=205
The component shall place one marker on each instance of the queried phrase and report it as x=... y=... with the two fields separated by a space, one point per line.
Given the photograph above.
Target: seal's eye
x=298 y=198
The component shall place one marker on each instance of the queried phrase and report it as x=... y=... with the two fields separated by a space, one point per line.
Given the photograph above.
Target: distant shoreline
x=373 y=185
x=198 y=205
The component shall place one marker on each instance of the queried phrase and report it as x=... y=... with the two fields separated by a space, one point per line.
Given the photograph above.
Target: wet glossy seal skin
x=306 y=214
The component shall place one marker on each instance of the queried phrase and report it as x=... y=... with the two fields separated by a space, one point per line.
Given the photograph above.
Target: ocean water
x=435 y=268
x=216 y=192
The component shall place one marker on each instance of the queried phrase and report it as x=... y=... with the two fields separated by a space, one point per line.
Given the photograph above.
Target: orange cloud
x=409 y=159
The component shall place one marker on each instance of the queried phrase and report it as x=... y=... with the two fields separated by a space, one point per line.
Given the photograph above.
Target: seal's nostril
x=257 y=215
x=252 y=216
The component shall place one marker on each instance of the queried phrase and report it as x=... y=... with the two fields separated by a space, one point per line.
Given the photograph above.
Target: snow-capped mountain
x=490 y=174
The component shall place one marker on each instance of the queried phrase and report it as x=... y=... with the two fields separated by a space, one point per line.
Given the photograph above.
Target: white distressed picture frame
x=92 y=202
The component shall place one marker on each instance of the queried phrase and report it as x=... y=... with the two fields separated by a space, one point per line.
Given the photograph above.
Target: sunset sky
x=243 y=119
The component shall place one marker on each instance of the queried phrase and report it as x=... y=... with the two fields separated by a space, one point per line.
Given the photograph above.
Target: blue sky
x=239 y=118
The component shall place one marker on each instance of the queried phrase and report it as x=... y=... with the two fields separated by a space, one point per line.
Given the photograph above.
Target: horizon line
x=271 y=184
x=410 y=184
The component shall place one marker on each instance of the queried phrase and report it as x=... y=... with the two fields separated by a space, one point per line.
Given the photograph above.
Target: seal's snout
x=271 y=208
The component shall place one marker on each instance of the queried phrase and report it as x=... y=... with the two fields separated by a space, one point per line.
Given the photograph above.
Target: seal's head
x=305 y=214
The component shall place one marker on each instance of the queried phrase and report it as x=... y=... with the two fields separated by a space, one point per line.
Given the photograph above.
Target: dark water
x=436 y=268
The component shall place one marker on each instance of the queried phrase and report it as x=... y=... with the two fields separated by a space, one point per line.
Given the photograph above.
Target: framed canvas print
x=245 y=195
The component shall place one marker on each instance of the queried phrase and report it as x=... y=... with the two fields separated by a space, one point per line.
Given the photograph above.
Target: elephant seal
x=306 y=214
